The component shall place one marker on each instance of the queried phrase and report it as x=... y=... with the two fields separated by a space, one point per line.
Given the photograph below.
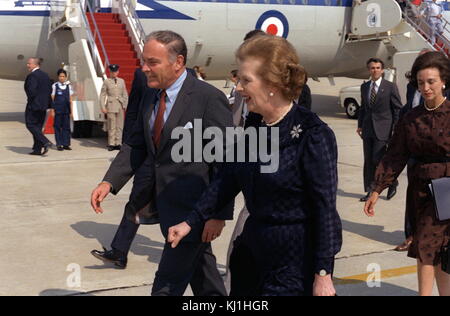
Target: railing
x=93 y=37
x=426 y=30
x=127 y=13
x=135 y=22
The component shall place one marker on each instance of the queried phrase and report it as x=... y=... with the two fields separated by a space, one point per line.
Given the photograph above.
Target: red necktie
x=159 y=121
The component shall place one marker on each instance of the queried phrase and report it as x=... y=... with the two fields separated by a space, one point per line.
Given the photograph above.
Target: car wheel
x=351 y=108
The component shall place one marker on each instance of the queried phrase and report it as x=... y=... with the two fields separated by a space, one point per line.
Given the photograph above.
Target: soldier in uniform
x=114 y=99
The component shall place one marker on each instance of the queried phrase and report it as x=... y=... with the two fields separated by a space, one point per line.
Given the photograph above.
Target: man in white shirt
x=433 y=13
x=378 y=115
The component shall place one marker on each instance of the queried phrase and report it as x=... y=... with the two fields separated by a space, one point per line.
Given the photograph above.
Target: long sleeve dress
x=425 y=137
x=294 y=229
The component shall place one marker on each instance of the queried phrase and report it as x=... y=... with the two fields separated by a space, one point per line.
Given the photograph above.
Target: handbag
x=440 y=189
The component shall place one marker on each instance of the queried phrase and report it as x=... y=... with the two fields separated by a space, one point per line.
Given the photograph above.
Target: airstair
x=100 y=39
x=403 y=34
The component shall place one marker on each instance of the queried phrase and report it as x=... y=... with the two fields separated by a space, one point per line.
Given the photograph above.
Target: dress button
x=157 y=165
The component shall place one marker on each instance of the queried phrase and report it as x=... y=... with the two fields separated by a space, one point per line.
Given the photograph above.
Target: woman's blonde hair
x=280 y=67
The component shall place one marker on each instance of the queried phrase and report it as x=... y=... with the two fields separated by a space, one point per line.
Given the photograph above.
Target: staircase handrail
x=134 y=23
x=422 y=25
x=92 y=38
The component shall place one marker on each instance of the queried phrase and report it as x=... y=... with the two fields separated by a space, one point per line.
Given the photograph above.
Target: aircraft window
x=328 y=2
x=267 y=1
x=305 y=2
x=280 y=1
x=292 y=2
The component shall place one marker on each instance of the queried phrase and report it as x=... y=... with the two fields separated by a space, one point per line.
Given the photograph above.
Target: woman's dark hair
x=431 y=60
x=61 y=71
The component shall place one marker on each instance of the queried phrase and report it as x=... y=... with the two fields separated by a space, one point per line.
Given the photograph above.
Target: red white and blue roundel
x=274 y=23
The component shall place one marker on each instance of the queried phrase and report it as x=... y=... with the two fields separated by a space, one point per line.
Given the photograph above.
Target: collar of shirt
x=378 y=82
x=35 y=69
x=171 y=98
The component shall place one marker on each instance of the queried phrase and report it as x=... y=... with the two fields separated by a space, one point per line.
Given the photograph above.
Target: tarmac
x=47 y=227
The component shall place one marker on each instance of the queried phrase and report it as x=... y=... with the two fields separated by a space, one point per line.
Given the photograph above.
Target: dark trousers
x=34 y=121
x=374 y=151
x=192 y=263
x=62 y=129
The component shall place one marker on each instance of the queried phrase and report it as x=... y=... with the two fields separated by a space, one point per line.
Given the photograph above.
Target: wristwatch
x=323 y=273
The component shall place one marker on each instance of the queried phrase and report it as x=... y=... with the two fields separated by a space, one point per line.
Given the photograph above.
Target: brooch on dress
x=295 y=133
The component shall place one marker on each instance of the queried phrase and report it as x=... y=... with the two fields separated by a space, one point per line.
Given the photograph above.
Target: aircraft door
x=375 y=16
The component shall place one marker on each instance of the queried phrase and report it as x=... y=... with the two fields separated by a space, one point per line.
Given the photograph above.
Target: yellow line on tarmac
x=385 y=274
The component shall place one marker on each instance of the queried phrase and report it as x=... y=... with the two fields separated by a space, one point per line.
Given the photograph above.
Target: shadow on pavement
x=19 y=150
x=374 y=232
x=104 y=233
x=60 y=292
x=12 y=117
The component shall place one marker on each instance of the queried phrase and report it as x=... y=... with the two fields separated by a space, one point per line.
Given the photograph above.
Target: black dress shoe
x=35 y=153
x=365 y=198
x=46 y=148
x=118 y=147
x=111 y=256
x=60 y=148
x=391 y=192
x=67 y=148
x=110 y=148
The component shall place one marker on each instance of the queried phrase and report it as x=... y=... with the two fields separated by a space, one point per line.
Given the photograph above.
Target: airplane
x=332 y=37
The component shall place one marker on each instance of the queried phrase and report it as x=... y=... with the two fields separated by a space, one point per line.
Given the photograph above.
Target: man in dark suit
x=38 y=89
x=380 y=107
x=173 y=188
x=138 y=88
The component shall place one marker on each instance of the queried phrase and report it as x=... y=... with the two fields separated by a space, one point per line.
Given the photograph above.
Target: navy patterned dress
x=294 y=229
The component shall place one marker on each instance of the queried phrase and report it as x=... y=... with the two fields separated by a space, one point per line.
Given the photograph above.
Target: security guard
x=62 y=110
x=114 y=100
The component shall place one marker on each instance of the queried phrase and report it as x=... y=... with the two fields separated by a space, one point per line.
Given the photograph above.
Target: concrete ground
x=47 y=228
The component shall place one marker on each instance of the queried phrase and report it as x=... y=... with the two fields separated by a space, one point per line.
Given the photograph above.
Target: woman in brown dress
x=424 y=135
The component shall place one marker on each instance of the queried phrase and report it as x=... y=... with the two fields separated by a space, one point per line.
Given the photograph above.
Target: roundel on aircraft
x=273 y=22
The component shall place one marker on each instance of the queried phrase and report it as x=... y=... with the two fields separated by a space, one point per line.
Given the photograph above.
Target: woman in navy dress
x=293 y=232
x=62 y=110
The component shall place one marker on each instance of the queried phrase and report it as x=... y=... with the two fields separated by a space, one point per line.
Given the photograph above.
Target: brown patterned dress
x=421 y=133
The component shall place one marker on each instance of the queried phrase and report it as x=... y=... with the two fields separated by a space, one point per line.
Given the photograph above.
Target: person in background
x=38 y=89
x=234 y=79
x=114 y=100
x=200 y=73
x=423 y=134
x=380 y=107
x=433 y=13
x=62 y=110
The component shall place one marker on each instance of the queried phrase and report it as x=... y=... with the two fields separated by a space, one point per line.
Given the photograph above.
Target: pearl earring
x=271 y=94
x=444 y=87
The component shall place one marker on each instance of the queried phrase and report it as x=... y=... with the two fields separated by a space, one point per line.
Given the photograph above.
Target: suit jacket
x=114 y=96
x=38 y=88
x=175 y=187
x=383 y=114
x=138 y=89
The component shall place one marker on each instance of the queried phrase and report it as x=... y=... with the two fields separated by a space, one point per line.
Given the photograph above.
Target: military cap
x=113 y=67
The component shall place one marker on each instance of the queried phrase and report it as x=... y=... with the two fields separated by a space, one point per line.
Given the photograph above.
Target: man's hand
x=178 y=232
x=105 y=111
x=98 y=195
x=323 y=286
x=213 y=228
x=359 y=132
